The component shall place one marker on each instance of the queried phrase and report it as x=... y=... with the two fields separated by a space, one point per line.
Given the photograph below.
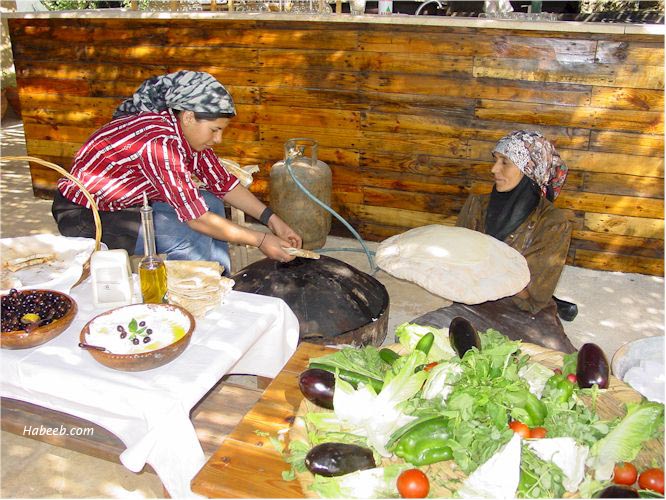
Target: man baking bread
x=529 y=175
x=158 y=142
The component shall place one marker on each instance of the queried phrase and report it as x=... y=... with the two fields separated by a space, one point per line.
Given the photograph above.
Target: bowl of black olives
x=139 y=336
x=33 y=317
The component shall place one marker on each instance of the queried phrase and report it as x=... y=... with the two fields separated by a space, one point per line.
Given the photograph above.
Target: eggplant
x=463 y=336
x=616 y=491
x=338 y=459
x=592 y=367
x=318 y=386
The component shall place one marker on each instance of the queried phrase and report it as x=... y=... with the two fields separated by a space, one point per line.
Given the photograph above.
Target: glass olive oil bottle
x=152 y=271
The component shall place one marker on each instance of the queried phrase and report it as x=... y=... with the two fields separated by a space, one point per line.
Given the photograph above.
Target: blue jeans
x=179 y=242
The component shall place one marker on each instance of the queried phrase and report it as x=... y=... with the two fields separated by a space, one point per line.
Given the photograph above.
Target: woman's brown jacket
x=543 y=239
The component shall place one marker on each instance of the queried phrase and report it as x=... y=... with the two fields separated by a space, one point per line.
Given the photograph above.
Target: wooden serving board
x=247 y=465
x=610 y=404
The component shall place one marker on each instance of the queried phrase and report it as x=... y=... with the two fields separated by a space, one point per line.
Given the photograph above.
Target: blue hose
x=368 y=253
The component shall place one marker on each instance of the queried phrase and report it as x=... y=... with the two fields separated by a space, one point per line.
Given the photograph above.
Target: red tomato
x=430 y=366
x=625 y=473
x=538 y=432
x=572 y=378
x=520 y=428
x=652 y=479
x=413 y=483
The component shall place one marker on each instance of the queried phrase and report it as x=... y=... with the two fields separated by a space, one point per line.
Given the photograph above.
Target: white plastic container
x=111 y=278
x=385 y=7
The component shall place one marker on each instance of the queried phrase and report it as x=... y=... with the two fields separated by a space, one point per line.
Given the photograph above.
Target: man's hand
x=273 y=247
x=281 y=229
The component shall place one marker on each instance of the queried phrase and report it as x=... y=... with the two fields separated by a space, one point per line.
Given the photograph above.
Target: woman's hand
x=273 y=247
x=281 y=229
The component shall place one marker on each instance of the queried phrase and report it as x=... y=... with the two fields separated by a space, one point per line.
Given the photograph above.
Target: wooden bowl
x=23 y=339
x=100 y=336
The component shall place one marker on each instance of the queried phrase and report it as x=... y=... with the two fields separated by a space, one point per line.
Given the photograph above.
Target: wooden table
x=247 y=465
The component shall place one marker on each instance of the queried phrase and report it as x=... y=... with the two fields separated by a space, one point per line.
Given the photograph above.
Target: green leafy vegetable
x=377 y=416
x=295 y=456
x=364 y=361
x=569 y=363
x=379 y=482
x=539 y=478
x=409 y=334
x=643 y=421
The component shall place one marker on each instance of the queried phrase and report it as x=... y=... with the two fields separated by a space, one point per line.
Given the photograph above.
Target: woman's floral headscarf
x=184 y=90
x=536 y=157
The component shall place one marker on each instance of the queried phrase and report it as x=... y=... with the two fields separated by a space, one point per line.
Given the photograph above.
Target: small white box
x=111 y=278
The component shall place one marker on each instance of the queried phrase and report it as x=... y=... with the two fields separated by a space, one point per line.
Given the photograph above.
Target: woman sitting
x=159 y=143
x=529 y=175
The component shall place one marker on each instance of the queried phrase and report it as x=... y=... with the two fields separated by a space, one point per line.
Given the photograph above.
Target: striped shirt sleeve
x=212 y=173
x=165 y=165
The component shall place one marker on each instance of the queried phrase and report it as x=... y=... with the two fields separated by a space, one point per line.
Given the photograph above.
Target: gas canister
x=293 y=205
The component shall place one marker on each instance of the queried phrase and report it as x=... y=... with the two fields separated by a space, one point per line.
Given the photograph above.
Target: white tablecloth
x=149 y=410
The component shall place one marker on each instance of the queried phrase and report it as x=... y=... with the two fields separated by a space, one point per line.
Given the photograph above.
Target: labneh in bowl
x=138 y=337
x=42 y=315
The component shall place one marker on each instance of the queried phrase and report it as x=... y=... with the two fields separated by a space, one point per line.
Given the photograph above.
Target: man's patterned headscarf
x=184 y=90
x=536 y=157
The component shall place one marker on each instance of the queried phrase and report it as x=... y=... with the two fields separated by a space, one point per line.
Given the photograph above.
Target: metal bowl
x=32 y=337
x=631 y=354
x=640 y=364
x=101 y=337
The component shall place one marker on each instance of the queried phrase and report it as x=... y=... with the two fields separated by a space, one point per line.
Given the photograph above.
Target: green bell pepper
x=558 y=388
x=425 y=343
x=389 y=355
x=426 y=442
x=352 y=377
x=535 y=409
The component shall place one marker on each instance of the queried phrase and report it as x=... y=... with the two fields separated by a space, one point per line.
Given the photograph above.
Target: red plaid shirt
x=145 y=152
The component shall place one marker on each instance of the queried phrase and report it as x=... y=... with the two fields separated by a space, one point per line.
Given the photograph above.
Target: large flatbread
x=456 y=263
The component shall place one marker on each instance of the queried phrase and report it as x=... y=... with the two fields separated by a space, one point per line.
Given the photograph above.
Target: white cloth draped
x=149 y=410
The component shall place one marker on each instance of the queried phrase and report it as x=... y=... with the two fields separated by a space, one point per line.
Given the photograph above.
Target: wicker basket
x=93 y=204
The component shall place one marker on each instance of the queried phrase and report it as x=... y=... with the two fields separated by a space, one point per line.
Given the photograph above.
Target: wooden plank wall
x=405 y=116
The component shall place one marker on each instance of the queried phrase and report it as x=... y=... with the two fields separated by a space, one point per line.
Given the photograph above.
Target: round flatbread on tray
x=610 y=404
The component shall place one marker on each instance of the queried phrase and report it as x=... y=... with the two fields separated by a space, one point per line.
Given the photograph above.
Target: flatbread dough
x=300 y=252
x=456 y=263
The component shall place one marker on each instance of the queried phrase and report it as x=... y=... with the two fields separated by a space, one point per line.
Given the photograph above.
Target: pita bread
x=456 y=263
x=198 y=286
x=19 y=263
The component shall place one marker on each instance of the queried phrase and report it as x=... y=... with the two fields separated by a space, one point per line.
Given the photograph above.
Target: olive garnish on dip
x=136 y=331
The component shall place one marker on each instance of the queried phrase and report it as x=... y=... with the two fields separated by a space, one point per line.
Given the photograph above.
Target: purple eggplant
x=615 y=491
x=318 y=386
x=592 y=367
x=463 y=336
x=337 y=459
